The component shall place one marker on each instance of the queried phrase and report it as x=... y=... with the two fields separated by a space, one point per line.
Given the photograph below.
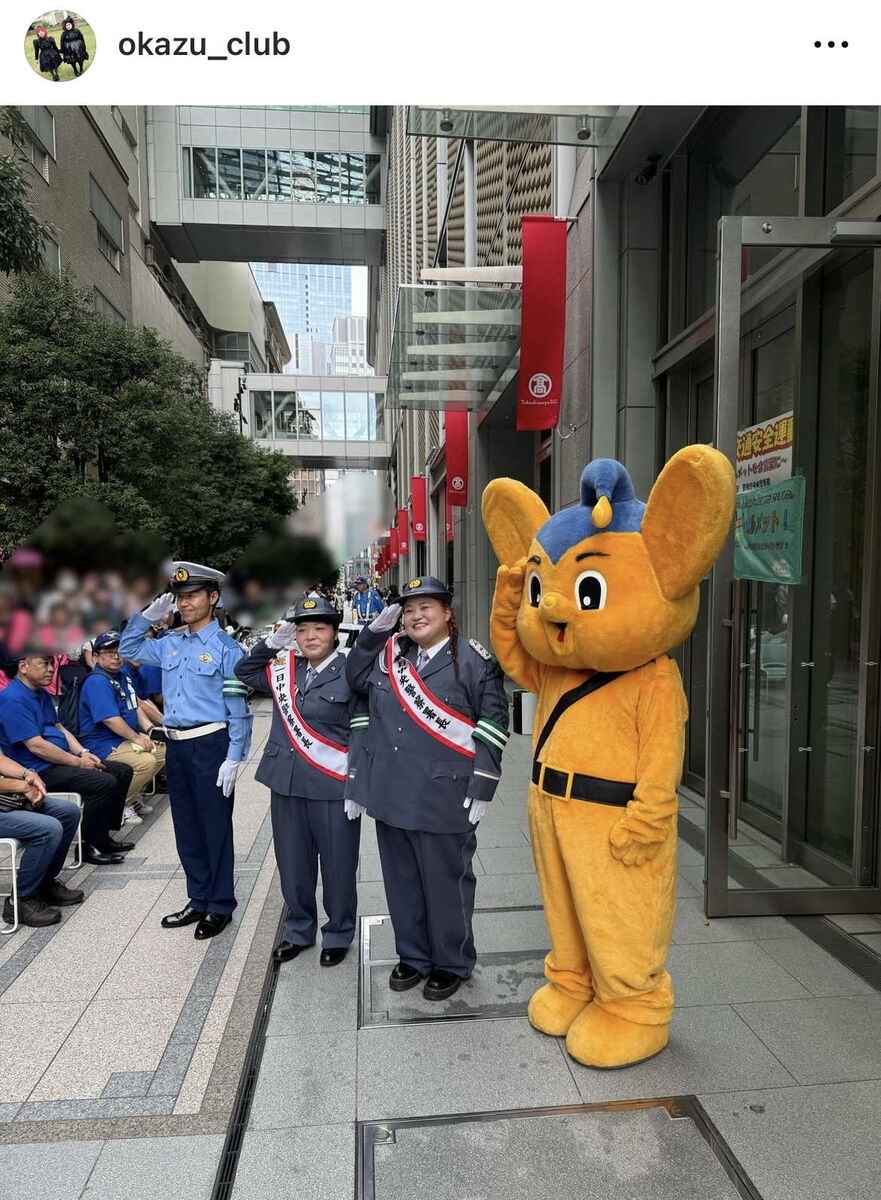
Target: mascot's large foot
x=598 y=1038
x=552 y=1011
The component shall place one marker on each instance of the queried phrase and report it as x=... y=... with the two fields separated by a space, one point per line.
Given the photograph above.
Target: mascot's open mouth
x=562 y=630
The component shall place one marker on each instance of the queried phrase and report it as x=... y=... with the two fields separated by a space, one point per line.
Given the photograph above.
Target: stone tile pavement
x=122 y=1045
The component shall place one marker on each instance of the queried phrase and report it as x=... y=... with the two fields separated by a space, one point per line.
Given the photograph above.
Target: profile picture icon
x=60 y=45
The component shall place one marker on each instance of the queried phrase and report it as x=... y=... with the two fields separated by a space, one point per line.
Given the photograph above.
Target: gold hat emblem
x=308 y=604
x=181 y=575
x=414 y=583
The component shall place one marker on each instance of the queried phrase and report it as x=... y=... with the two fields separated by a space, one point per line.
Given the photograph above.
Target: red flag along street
x=456 y=431
x=420 y=508
x=403 y=533
x=393 y=545
x=542 y=322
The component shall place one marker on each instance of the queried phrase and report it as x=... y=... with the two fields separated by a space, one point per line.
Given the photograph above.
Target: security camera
x=446 y=122
x=649 y=171
x=583 y=130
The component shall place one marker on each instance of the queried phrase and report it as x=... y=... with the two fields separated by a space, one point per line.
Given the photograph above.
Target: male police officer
x=366 y=602
x=208 y=728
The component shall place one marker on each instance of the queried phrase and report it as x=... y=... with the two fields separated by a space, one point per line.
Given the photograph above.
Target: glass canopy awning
x=591 y=125
x=453 y=347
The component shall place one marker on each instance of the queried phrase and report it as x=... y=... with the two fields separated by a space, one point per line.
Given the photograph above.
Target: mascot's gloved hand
x=226 y=776
x=283 y=637
x=158 y=609
x=509 y=588
x=387 y=619
x=476 y=809
x=628 y=848
x=353 y=809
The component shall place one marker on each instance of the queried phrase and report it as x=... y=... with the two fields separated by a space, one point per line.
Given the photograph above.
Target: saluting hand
x=387 y=619
x=158 y=609
x=282 y=638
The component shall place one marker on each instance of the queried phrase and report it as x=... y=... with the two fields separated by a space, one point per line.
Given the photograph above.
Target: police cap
x=192 y=577
x=360 y=579
x=316 y=608
x=426 y=585
x=105 y=641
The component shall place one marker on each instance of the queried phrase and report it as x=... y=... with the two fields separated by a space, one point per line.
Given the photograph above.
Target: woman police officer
x=305 y=765
x=438 y=724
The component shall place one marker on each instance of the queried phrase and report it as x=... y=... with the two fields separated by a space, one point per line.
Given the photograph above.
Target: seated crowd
x=90 y=738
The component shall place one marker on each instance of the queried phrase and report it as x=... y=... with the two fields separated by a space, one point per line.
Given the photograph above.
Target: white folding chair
x=77 y=860
x=13 y=845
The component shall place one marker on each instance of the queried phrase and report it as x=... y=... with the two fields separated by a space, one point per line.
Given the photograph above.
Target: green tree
x=21 y=234
x=93 y=409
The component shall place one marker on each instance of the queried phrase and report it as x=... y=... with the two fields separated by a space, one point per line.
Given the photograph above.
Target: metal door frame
x=812 y=239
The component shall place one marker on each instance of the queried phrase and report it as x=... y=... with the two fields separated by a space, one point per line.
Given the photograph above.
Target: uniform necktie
x=421 y=660
x=310 y=676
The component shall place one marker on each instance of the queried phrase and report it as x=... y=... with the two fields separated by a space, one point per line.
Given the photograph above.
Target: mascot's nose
x=554 y=608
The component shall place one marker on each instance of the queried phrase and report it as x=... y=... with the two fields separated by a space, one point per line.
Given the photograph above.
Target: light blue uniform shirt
x=197 y=678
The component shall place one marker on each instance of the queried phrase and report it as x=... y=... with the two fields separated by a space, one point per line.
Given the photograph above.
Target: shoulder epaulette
x=481 y=650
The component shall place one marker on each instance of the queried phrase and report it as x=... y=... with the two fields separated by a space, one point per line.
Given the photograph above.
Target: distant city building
x=348 y=352
x=309 y=298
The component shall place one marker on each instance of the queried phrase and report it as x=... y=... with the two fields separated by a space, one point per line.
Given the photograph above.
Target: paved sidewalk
x=122 y=1046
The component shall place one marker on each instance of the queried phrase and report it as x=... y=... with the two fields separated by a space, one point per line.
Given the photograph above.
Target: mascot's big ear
x=512 y=515
x=688 y=516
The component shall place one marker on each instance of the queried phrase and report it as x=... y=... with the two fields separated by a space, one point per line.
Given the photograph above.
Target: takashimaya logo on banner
x=540 y=385
x=419 y=527
x=458 y=483
x=764 y=453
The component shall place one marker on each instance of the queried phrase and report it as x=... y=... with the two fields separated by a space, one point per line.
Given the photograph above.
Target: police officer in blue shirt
x=208 y=731
x=366 y=602
x=315 y=730
x=438 y=724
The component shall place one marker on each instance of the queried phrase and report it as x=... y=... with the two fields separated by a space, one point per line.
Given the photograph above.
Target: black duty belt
x=572 y=786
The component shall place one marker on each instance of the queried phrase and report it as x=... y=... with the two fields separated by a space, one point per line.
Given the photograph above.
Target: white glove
x=354 y=810
x=476 y=809
x=226 y=776
x=387 y=619
x=158 y=609
x=283 y=637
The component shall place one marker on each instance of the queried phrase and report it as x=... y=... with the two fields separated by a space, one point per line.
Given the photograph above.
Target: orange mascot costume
x=587 y=603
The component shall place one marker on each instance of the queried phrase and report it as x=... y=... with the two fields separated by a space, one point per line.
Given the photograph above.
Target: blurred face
x=36 y=671
x=196 y=606
x=426 y=620
x=109 y=658
x=315 y=639
x=362 y=587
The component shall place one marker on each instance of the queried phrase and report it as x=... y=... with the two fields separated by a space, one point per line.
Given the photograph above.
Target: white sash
x=325 y=756
x=429 y=713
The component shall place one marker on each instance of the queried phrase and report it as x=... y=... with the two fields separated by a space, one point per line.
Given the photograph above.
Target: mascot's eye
x=534 y=590
x=590 y=590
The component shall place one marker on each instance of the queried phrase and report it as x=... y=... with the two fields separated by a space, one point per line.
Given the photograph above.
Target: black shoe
x=114 y=847
x=404 y=977
x=101 y=858
x=211 y=924
x=186 y=916
x=53 y=891
x=285 y=951
x=31 y=911
x=336 y=954
x=441 y=984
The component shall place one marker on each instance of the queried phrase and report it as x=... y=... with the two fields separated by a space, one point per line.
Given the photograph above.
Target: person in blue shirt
x=208 y=731
x=31 y=734
x=366 y=602
x=111 y=723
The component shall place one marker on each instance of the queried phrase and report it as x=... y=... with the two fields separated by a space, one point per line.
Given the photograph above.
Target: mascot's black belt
x=581 y=787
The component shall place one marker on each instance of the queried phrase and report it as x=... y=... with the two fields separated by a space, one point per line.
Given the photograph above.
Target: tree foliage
x=92 y=409
x=21 y=234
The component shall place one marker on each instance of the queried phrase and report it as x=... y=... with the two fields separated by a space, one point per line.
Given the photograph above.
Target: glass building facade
x=309 y=298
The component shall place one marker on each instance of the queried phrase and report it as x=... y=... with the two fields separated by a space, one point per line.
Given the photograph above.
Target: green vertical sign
x=768 y=527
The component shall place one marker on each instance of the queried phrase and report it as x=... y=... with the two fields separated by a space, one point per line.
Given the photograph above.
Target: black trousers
x=103 y=794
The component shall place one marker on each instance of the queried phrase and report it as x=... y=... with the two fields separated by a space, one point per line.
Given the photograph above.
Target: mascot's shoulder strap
x=594 y=683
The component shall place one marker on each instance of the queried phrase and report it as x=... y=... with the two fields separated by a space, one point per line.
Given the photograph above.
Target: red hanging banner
x=542 y=322
x=403 y=533
x=456 y=430
x=393 y=546
x=417 y=491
